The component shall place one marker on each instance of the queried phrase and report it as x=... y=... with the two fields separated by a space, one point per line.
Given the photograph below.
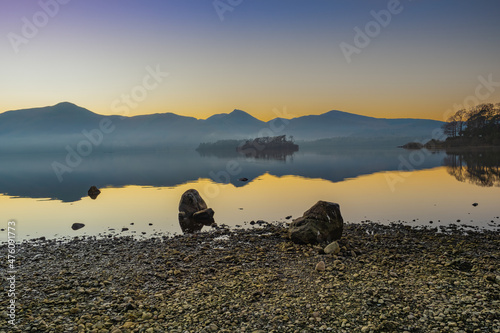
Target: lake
x=141 y=190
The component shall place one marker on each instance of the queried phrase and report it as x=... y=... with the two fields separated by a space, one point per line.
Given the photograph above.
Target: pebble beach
x=385 y=278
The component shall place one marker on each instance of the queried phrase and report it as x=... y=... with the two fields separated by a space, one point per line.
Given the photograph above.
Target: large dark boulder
x=194 y=213
x=320 y=223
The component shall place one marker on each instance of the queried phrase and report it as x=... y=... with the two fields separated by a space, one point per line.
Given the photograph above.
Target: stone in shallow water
x=93 y=192
x=194 y=213
x=77 y=226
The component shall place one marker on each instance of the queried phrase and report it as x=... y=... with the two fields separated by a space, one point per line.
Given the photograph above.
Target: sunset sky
x=254 y=55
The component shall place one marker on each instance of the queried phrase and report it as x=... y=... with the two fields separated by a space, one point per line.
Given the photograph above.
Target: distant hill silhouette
x=58 y=119
x=344 y=124
x=62 y=124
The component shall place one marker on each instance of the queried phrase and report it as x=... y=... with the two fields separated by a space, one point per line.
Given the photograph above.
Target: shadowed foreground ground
x=385 y=279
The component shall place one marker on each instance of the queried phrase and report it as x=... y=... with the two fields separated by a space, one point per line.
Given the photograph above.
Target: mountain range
x=65 y=123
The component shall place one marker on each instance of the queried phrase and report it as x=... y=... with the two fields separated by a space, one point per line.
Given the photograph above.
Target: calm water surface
x=141 y=191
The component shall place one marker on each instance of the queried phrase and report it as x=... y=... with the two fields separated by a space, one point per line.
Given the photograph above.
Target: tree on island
x=474 y=126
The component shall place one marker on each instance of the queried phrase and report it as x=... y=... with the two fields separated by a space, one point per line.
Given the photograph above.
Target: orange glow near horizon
x=267 y=111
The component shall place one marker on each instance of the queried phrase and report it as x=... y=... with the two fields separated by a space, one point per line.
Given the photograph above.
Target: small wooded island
x=269 y=143
x=263 y=146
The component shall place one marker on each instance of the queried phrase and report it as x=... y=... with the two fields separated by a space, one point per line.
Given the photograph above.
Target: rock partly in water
x=93 y=192
x=320 y=223
x=194 y=213
x=77 y=226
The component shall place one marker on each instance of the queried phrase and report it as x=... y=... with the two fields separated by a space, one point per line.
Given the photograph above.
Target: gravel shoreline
x=385 y=279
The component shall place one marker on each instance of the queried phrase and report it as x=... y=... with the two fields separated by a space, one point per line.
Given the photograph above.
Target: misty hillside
x=63 y=124
x=344 y=124
x=63 y=118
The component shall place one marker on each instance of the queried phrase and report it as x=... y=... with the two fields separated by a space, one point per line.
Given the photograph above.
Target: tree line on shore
x=478 y=125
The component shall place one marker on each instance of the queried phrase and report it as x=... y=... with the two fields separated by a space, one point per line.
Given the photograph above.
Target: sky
x=270 y=58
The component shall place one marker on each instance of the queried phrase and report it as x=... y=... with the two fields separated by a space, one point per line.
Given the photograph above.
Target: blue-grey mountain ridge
x=65 y=123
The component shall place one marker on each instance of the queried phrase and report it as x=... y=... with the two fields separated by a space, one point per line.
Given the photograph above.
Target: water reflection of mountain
x=477 y=167
x=33 y=176
x=278 y=155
